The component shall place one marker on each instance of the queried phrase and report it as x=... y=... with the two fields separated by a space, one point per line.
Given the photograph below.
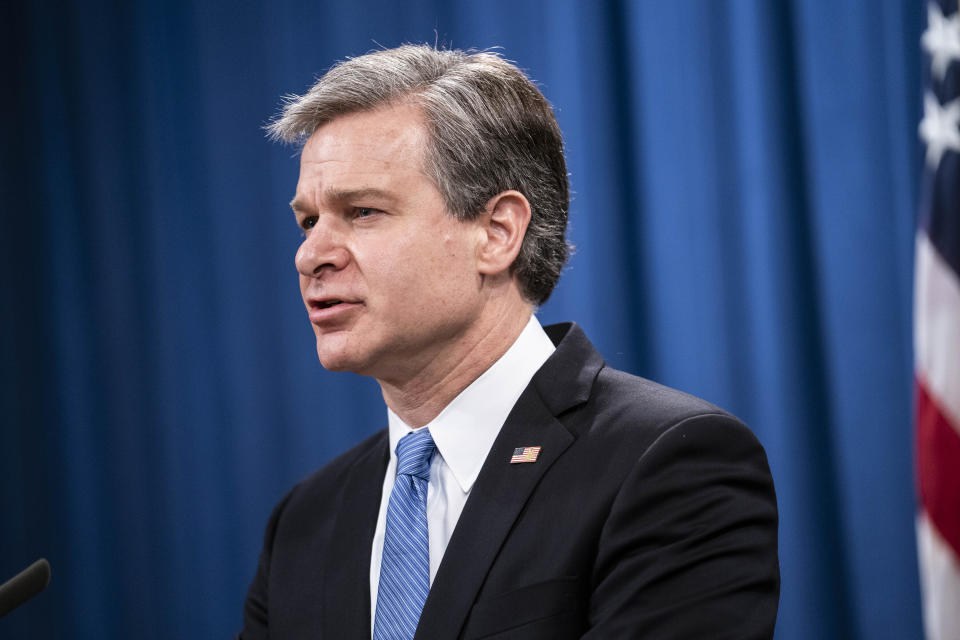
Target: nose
x=323 y=248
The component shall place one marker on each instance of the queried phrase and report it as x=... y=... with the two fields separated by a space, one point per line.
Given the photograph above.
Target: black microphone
x=23 y=586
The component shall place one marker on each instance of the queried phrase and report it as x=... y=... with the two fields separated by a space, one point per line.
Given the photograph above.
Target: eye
x=308 y=222
x=364 y=212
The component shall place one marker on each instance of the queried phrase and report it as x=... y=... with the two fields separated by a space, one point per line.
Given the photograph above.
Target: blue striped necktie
x=405 y=567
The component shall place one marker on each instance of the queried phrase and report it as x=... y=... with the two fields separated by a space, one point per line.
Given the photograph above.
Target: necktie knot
x=414 y=452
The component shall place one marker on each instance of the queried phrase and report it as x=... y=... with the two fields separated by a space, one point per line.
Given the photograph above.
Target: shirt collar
x=466 y=428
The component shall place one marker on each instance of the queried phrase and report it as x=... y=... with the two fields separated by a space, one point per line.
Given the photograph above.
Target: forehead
x=388 y=139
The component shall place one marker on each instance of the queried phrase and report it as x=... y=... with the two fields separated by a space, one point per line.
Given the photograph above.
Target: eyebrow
x=340 y=195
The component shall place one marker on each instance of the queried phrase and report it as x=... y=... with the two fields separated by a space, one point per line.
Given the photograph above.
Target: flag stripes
x=938 y=460
x=937 y=327
x=939 y=577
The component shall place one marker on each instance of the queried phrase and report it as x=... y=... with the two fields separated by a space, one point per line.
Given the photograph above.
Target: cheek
x=453 y=247
x=459 y=258
x=447 y=262
x=428 y=263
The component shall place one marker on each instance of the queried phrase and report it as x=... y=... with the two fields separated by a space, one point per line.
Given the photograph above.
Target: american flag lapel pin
x=524 y=454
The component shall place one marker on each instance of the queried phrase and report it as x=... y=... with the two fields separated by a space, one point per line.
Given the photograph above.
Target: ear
x=504 y=224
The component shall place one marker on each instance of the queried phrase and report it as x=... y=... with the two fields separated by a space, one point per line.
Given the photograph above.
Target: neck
x=420 y=399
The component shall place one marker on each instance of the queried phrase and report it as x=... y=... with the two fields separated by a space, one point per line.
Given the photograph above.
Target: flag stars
x=940 y=128
x=941 y=39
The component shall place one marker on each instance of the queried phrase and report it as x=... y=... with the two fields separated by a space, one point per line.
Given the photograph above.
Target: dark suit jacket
x=649 y=514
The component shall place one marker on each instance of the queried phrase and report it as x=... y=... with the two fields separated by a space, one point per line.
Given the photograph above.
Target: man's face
x=389 y=278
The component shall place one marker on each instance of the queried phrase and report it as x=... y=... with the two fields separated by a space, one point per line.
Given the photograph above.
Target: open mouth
x=326 y=304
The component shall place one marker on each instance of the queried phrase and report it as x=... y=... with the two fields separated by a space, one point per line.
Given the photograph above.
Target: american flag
x=525 y=454
x=937 y=327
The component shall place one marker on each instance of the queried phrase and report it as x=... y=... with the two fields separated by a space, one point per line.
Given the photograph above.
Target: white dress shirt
x=464 y=433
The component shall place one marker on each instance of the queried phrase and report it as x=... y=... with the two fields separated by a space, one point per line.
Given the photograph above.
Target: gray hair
x=490 y=130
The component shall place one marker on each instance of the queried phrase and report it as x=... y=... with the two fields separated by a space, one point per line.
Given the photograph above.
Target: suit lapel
x=485 y=523
x=347 y=586
x=502 y=489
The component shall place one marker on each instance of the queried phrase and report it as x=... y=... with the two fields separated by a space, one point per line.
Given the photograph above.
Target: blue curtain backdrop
x=744 y=175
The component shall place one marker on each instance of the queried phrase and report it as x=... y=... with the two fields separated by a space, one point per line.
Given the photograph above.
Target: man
x=523 y=488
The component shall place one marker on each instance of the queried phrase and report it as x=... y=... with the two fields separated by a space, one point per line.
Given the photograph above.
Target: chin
x=333 y=363
x=334 y=367
x=338 y=359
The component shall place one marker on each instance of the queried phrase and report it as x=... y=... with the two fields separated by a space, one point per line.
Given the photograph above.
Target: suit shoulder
x=630 y=411
x=658 y=403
